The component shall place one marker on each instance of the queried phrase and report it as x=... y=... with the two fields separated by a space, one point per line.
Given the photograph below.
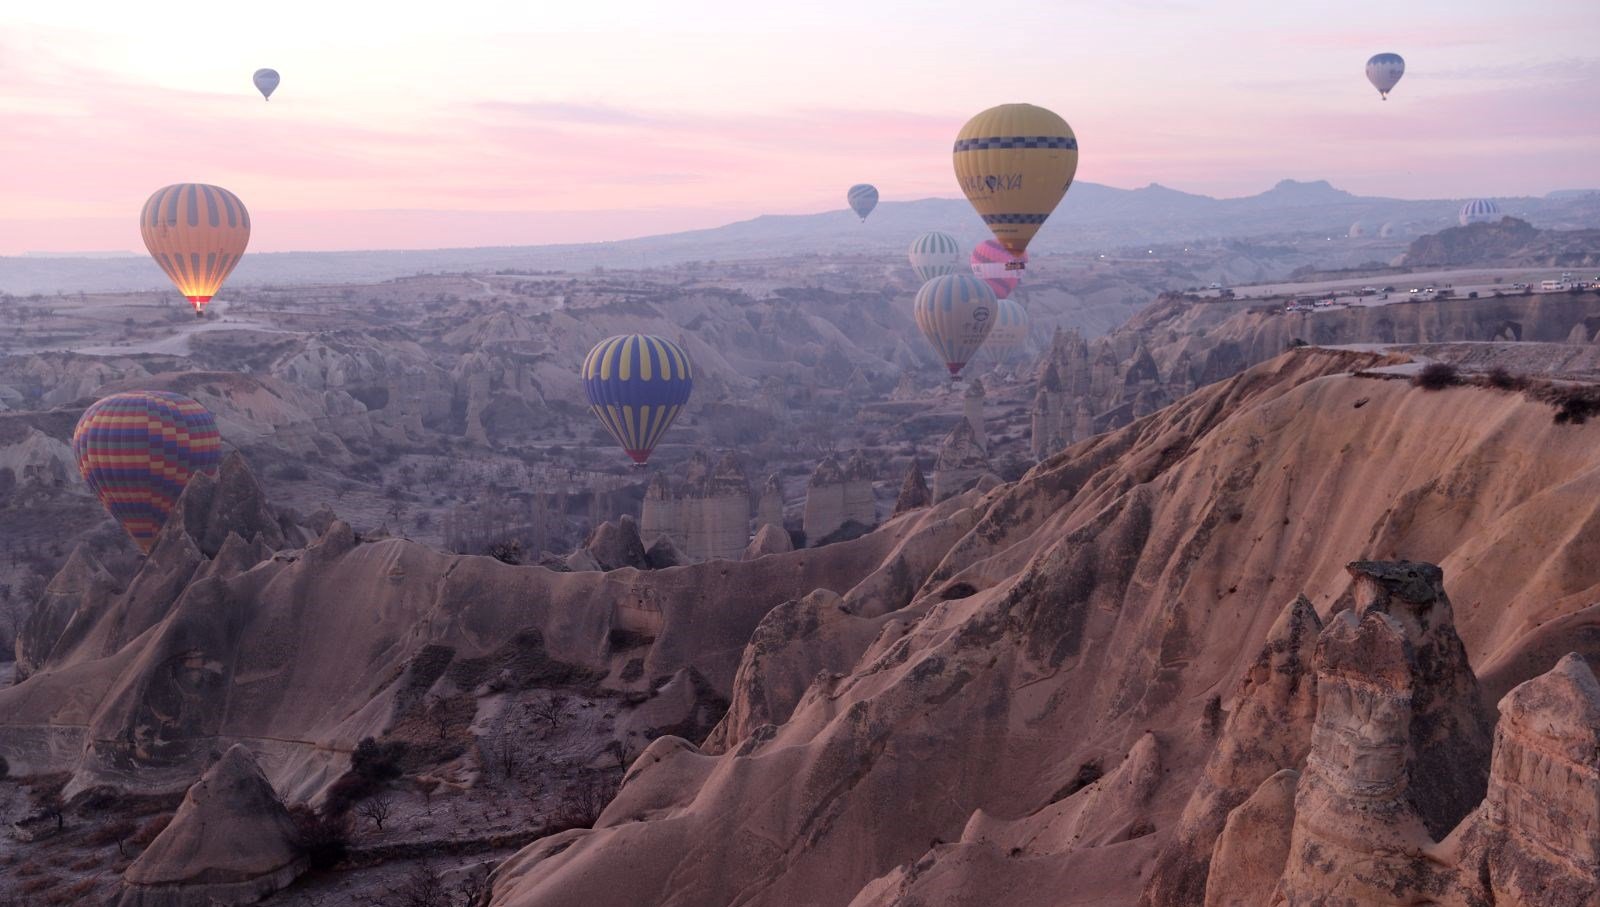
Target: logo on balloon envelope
x=977 y=327
x=992 y=183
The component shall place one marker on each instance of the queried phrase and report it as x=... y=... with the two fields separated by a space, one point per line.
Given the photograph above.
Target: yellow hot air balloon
x=1014 y=163
x=196 y=233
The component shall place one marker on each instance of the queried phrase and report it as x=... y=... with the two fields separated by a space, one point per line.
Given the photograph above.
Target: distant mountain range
x=1092 y=218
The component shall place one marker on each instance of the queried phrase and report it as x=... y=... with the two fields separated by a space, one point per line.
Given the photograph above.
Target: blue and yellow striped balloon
x=935 y=254
x=138 y=450
x=637 y=384
x=956 y=313
x=863 y=197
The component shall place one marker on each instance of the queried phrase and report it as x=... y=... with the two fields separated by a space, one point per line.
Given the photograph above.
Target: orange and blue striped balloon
x=637 y=384
x=137 y=451
x=197 y=234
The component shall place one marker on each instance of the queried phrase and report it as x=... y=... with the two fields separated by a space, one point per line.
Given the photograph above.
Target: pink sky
x=497 y=124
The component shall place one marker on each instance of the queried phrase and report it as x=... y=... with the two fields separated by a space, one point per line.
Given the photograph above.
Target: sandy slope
x=1082 y=625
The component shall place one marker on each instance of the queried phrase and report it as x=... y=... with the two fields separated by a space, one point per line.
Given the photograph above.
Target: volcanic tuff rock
x=913 y=491
x=283 y=648
x=962 y=459
x=1254 y=846
x=1267 y=731
x=231 y=503
x=1449 y=733
x=769 y=507
x=231 y=842
x=80 y=586
x=838 y=496
x=769 y=539
x=1356 y=835
x=1036 y=711
x=616 y=544
x=1536 y=838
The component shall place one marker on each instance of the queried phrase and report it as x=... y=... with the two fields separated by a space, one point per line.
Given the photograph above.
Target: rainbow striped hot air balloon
x=196 y=233
x=138 y=450
x=934 y=254
x=955 y=313
x=997 y=267
x=637 y=384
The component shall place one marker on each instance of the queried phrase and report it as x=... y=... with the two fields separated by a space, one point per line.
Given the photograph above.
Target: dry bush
x=1501 y=379
x=323 y=837
x=1436 y=376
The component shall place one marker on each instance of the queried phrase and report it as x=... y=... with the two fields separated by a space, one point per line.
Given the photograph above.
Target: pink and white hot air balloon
x=996 y=266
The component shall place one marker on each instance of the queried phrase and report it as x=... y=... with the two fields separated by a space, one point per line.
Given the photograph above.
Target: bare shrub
x=420 y=888
x=376 y=810
x=1436 y=376
x=323 y=837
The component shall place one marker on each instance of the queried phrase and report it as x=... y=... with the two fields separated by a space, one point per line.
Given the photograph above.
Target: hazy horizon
x=529 y=127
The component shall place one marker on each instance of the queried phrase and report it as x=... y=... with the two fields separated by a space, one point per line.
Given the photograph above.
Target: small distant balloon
x=863 y=197
x=1479 y=211
x=956 y=312
x=1383 y=71
x=997 y=267
x=934 y=254
x=266 y=82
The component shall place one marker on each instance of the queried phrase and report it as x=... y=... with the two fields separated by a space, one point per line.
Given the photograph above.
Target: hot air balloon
x=266 y=82
x=992 y=263
x=137 y=451
x=934 y=254
x=955 y=313
x=1010 y=330
x=1479 y=211
x=1383 y=71
x=863 y=198
x=637 y=384
x=1015 y=162
x=196 y=233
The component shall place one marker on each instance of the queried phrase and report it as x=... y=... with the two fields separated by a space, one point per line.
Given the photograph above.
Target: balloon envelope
x=934 y=254
x=955 y=313
x=138 y=450
x=1479 y=211
x=992 y=263
x=1383 y=71
x=1010 y=330
x=196 y=233
x=862 y=198
x=637 y=384
x=1015 y=162
x=266 y=82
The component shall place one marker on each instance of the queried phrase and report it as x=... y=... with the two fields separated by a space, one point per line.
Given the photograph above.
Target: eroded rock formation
x=231 y=842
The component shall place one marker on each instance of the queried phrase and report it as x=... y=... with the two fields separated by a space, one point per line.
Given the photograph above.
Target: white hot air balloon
x=935 y=254
x=1383 y=71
